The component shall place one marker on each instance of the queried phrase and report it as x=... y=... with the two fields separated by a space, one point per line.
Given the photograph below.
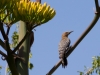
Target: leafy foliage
x=30 y=65
x=15 y=38
x=95 y=69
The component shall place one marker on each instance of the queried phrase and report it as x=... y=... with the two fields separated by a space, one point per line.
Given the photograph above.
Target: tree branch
x=2 y=31
x=8 y=29
x=89 y=71
x=5 y=38
x=5 y=17
x=35 y=26
x=9 y=57
x=3 y=54
x=77 y=42
x=2 y=44
x=97 y=6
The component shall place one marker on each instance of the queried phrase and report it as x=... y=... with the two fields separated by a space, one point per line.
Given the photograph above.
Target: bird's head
x=65 y=34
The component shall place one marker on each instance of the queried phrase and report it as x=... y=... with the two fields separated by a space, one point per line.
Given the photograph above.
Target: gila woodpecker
x=63 y=48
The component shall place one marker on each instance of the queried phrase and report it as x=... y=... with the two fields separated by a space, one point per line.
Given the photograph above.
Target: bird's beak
x=70 y=32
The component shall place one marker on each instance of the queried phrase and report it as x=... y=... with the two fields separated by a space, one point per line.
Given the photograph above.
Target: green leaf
x=31 y=66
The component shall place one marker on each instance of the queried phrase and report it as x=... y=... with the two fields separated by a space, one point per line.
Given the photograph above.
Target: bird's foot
x=69 y=47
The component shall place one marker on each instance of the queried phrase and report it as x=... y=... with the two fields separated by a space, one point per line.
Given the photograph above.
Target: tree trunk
x=22 y=66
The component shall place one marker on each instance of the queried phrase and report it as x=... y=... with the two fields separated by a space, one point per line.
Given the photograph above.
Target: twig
x=2 y=44
x=6 y=44
x=35 y=26
x=5 y=17
x=8 y=29
x=97 y=6
x=76 y=43
x=3 y=54
x=2 y=31
x=89 y=71
x=5 y=38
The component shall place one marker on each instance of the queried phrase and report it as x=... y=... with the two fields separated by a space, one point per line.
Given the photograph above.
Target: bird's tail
x=64 y=62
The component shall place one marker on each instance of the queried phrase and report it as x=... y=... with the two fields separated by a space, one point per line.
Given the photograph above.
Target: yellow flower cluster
x=31 y=12
x=34 y=12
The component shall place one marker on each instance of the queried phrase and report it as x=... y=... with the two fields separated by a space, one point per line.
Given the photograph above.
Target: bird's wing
x=64 y=44
x=62 y=47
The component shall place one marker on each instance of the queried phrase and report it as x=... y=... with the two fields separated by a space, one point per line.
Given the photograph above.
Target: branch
x=3 y=54
x=2 y=44
x=20 y=43
x=10 y=59
x=5 y=17
x=5 y=38
x=8 y=29
x=2 y=31
x=89 y=71
x=76 y=43
x=35 y=26
x=97 y=6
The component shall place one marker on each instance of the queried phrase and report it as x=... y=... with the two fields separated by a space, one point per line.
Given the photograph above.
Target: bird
x=64 y=47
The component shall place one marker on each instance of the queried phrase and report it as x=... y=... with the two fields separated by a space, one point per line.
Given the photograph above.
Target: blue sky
x=73 y=15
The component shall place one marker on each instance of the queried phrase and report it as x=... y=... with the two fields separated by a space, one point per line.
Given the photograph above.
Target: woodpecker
x=63 y=48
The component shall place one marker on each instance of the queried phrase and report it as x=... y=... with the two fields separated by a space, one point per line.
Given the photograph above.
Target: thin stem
x=8 y=29
x=3 y=54
x=97 y=6
x=35 y=26
x=2 y=31
x=89 y=71
x=2 y=44
x=5 y=17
